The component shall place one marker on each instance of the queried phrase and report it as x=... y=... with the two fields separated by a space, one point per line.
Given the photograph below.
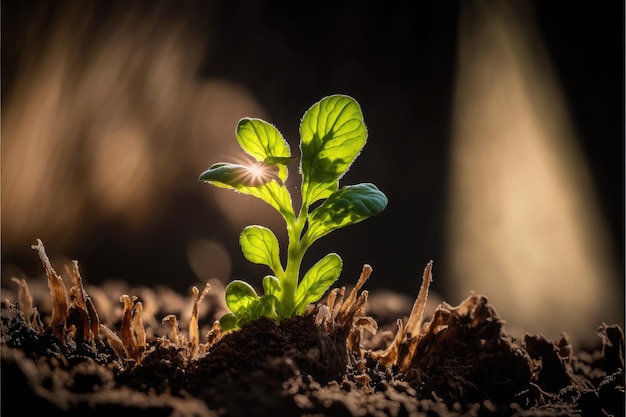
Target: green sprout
x=332 y=134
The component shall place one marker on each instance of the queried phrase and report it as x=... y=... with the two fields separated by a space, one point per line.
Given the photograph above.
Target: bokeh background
x=496 y=129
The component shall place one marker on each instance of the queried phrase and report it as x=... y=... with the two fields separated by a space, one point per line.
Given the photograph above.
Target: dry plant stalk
x=410 y=334
x=194 y=330
x=115 y=342
x=139 y=332
x=133 y=332
x=175 y=335
x=25 y=298
x=29 y=311
x=193 y=347
x=78 y=314
x=214 y=335
x=348 y=315
x=82 y=313
x=58 y=293
x=414 y=324
x=412 y=350
x=74 y=315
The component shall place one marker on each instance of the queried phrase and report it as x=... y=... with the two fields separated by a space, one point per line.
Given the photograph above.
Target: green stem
x=295 y=254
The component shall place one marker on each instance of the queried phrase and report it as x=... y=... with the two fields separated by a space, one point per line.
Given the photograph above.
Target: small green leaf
x=332 y=135
x=317 y=280
x=271 y=285
x=245 y=305
x=264 y=306
x=260 y=246
x=252 y=181
x=263 y=142
x=349 y=205
x=228 y=321
x=240 y=296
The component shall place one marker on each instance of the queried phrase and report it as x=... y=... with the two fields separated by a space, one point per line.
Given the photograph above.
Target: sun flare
x=258 y=173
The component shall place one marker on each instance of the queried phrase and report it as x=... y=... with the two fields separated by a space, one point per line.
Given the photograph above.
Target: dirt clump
x=333 y=361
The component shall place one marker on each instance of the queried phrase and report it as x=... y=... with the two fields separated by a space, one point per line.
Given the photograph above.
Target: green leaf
x=253 y=181
x=260 y=246
x=332 y=135
x=239 y=297
x=264 y=306
x=245 y=305
x=275 y=195
x=317 y=280
x=349 y=205
x=264 y=143
x=271 y=285
x=228 y=175
x=284 y=160
x=228 y=321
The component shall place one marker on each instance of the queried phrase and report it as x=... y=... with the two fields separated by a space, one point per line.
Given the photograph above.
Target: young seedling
x=332 y=134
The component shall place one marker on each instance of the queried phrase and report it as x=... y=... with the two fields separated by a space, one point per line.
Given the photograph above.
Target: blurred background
x=496 y=129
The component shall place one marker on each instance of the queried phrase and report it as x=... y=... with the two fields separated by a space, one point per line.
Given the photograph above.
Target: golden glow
x=524 y=227
x=111 y=136
x=209 y=259
x=260 y=173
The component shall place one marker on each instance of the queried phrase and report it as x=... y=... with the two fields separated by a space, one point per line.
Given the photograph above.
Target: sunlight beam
x=524 y=223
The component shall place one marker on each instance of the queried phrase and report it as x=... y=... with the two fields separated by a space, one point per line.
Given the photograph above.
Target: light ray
x=524 y=225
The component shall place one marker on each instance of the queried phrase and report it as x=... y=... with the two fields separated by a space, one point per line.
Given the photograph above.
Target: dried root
x=407 y=336
x=58 y=293
x=348 y=316
x=133 y=332
x=473 y=313
x=612 y=347
x=29 y=311
x=415 y=342
x=76 y=317
x=193 y=347
x=82 y=313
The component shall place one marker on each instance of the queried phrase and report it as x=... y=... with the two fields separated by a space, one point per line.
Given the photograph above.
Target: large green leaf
x=332 y=134
x=317 y=280
x=260 y=246
x=264 y=143
x=349 y=205
x=251 y=181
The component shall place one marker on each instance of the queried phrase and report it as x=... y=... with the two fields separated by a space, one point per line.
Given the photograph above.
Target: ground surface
x=464 y=363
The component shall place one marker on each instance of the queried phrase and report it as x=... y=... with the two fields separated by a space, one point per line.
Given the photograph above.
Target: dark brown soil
x=469 y=366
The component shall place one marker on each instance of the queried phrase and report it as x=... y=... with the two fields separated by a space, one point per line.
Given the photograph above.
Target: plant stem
x=295 y=254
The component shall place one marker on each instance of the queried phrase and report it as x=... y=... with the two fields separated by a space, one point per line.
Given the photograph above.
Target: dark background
x=398 y=60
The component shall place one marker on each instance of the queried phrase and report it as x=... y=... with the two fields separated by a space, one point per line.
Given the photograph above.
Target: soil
x=325 y=363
